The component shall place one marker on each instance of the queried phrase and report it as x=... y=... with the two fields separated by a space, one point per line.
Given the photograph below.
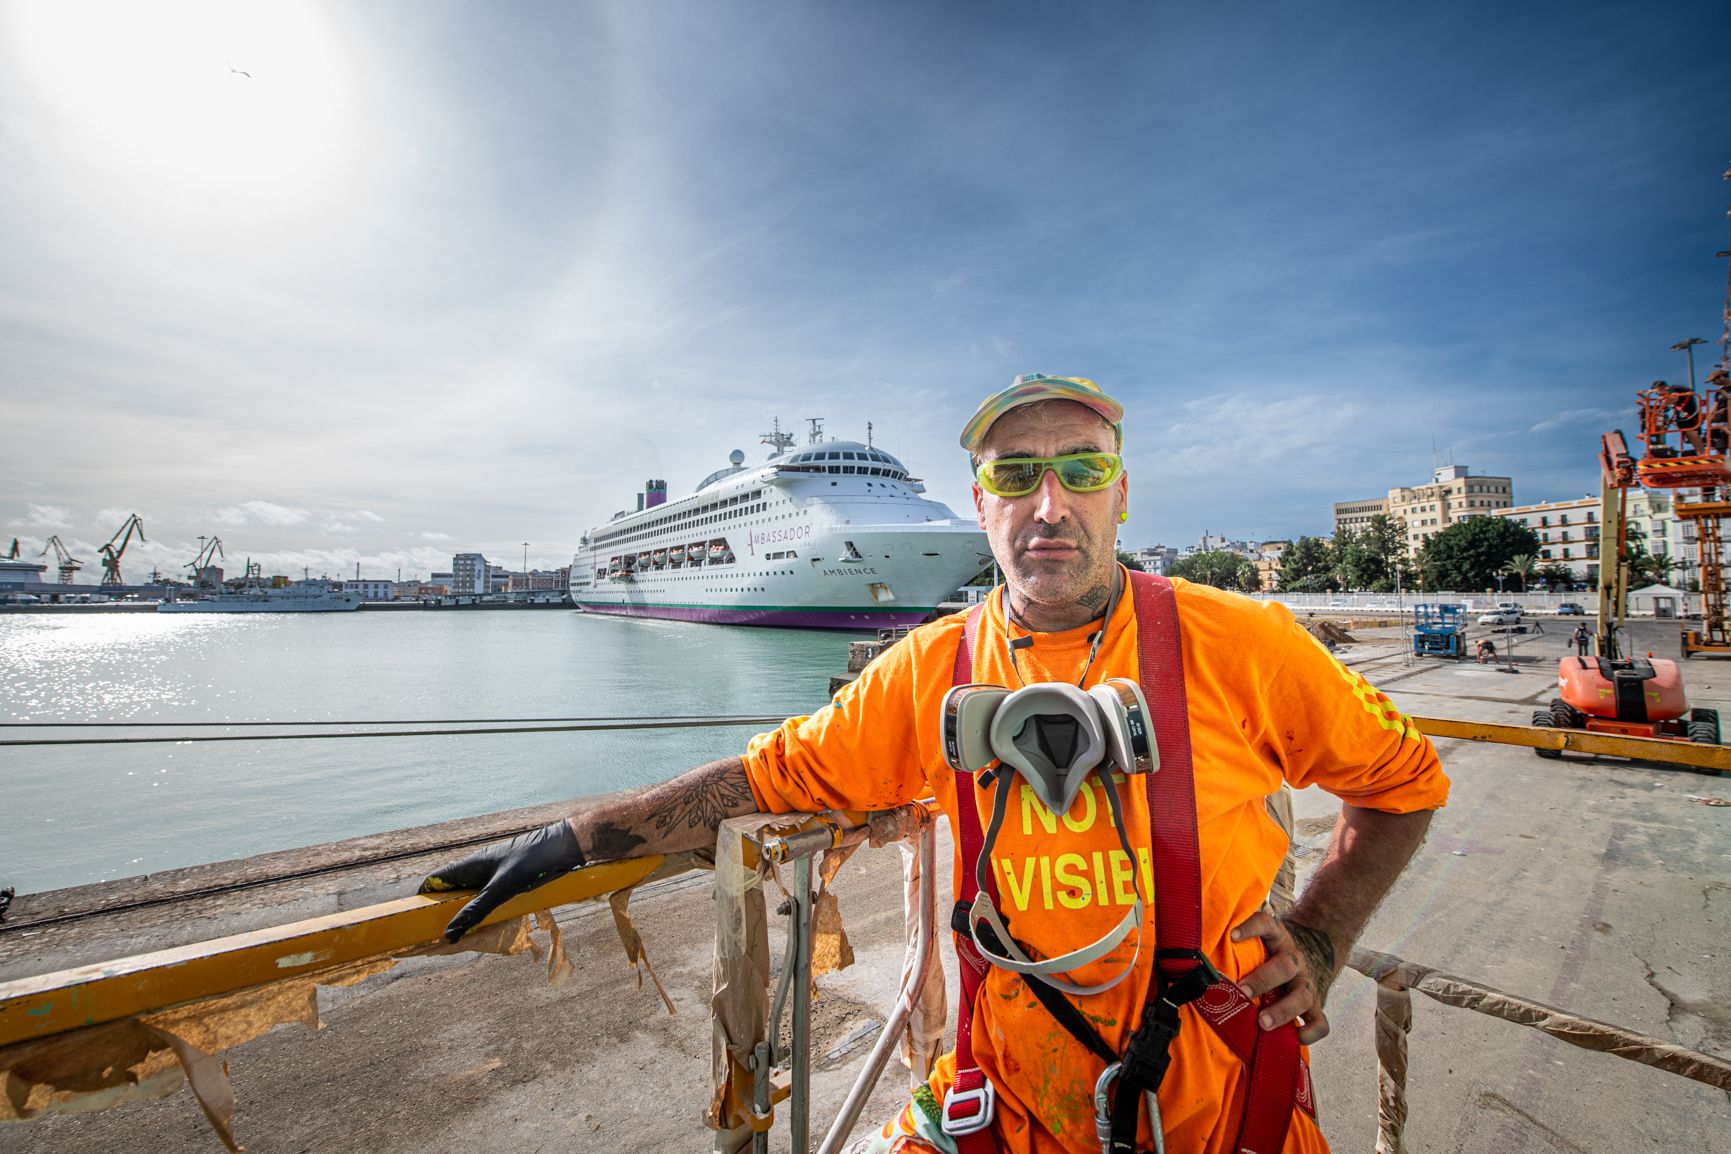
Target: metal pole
x=1688 y=349
x=925 y=942
x=800 y=1100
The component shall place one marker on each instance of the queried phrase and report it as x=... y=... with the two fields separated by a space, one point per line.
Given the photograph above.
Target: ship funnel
x=654 y=493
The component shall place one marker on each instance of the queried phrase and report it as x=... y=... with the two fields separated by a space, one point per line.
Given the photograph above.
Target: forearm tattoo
x=701 y=799
x=682 y=814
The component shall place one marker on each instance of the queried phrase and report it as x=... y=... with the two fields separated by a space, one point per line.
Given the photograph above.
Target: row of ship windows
x=844 y=455
x=682 y=522
x=858 y=470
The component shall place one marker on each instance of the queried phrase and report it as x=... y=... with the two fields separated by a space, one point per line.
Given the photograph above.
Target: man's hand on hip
x=1300 y=968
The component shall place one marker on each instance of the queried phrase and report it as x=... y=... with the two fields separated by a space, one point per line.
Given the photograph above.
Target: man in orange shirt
x=1264 y=704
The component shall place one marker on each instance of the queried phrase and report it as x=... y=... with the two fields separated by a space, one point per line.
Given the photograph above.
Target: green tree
x=1308 y=567
x=1646 y=569
x=1249 y=577
x=1128 y=560
x=1217 y=567
x=1556 y=576
x=1521 y=565
x=1469 y=554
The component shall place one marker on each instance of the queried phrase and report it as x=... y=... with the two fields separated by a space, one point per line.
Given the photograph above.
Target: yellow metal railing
x=1707 y=758
x=69 y=1005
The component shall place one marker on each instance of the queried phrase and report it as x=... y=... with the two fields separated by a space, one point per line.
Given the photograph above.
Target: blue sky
x=440 y=276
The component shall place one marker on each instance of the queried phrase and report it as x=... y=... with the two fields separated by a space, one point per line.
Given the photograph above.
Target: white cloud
x=435 y=536
x=1576 y=417
x=48 y=517
x=259 y=513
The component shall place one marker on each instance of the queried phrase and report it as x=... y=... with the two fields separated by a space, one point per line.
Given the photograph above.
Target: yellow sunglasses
x=1077 y=472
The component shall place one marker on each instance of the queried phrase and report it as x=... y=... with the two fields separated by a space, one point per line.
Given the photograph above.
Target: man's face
x=1055 y=546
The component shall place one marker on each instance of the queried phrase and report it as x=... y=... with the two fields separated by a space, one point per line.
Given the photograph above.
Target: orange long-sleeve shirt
x=1266 y=703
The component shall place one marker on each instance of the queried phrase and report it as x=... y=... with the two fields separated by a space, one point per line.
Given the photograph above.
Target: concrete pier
x=1601 y=887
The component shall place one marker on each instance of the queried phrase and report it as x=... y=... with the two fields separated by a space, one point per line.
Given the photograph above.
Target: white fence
x=1471 y=602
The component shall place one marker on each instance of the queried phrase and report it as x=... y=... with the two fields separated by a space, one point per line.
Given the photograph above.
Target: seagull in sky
x=238 y=72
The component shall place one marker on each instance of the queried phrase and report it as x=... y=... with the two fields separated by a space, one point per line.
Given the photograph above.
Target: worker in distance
x=1103 y=743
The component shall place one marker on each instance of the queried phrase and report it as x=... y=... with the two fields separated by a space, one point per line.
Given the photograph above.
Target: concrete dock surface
x=1601 y=887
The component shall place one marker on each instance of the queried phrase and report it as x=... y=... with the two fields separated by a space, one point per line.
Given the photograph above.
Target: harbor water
x=75 y=814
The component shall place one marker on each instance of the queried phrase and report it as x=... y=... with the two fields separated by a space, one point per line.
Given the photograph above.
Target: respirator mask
x=1052 y=735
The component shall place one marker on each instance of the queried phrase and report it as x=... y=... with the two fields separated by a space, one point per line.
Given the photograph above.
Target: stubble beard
x=1080 y=580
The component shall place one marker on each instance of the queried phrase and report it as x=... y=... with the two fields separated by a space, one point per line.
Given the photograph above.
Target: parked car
x=1508 y=607
x=1501 y=617
x=1571 y=609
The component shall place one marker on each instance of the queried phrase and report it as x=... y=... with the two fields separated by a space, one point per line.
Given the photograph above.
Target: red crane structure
x=111 y=553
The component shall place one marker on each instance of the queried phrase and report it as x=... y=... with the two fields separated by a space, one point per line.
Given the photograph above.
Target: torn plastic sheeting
x=921 y=1043
x=1393 y=1024
x=100 y=1067
x=739 y=1005
x=635 y=951
x=1285 y=888
x=830 y=948
x=1587 y=1033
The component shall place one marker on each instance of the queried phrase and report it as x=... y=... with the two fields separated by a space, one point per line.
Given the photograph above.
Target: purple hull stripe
x=785 y=618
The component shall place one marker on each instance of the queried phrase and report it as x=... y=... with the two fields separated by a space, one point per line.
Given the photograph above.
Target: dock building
x=468 y=573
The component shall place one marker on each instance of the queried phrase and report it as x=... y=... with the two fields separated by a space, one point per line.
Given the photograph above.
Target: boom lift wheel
x=1542 y=720
x=1704 y=726
x=1566 y=716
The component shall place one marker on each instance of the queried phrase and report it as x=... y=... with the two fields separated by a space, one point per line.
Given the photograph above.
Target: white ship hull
x=785 y=544
x=320 y=598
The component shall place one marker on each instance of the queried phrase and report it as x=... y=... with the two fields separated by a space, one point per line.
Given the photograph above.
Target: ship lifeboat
x=719 y=553
x=614 y=566
x=660 y=558
x=696 y=552
x=643 y=559
x=676 y=556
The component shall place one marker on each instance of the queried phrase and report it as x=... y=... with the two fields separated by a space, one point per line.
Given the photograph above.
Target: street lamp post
x=1688 y=349
x=526 y=568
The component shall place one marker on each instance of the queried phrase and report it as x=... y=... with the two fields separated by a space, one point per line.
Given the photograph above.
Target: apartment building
x=1354 y=516
x=1568 y=533
x=1453 y=494
x=1155 y=558
x=469 y=573
x=1268 y=563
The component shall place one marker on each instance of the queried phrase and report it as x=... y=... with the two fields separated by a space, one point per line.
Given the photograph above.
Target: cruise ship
x=832 y=535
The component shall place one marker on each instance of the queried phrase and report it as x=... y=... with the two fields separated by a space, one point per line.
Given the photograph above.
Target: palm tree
x=1521 y=565
x=1651 y=569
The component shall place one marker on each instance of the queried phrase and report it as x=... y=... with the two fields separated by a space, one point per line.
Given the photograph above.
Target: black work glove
x=504 y=870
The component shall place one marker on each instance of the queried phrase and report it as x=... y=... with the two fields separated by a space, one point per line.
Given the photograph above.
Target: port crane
x=111 y=552
x=69 y=565
x=204 y=571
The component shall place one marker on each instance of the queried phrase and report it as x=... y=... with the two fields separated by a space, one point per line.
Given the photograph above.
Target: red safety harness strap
x=1278 y=1078
x=970 y=1103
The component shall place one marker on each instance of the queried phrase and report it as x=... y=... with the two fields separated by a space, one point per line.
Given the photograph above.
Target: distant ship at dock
x=312 y=596
x=833 y=535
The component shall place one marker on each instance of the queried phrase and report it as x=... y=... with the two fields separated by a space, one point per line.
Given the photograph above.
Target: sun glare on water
x=243 y=95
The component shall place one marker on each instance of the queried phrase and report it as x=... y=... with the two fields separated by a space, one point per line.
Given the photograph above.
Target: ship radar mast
x=815 y=435
x=778 y=441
